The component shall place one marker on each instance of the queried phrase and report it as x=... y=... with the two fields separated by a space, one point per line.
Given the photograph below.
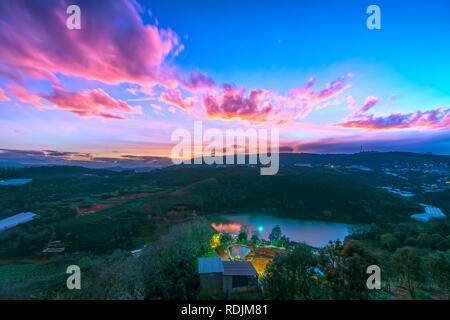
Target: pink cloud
x=198 y=81
x=89 y=103
x=113 y=45
x=370 y=102
x=261 y=106
x=173 y=97
x=133 y=91
x=351 y=102
x=431 y=119
x=3 y=96
x=332 y=89
x=233 y=103
x=24 y=96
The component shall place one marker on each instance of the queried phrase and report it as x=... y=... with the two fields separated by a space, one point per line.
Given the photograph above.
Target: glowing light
x=260 y=229
x=215 y=240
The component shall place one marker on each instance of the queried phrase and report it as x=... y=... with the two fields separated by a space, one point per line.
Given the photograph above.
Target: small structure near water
x=217 y=276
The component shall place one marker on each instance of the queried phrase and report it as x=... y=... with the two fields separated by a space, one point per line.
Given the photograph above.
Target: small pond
x=237 y=251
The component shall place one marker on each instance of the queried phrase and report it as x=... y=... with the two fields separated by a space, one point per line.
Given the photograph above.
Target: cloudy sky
x=138 y=70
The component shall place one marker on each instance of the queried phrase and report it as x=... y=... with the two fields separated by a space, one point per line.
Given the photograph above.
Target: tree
x=436 y=240
x=242 y=236
x=437 y=266
x=344 y=266
x=255 y=239
x=289 y=276
x=284 y=242
x=389 y=242
x=275 y=234
x=406 y=263
x=424 y=240
x=226 y=238
x=165 y=270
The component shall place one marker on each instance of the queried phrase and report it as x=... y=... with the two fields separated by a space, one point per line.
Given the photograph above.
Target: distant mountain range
x=368 y=159
x=17 y=158
x=25 y=158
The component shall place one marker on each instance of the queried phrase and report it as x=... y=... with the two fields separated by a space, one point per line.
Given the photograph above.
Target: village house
x=217 y=276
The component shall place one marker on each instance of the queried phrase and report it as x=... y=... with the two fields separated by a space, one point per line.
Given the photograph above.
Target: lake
x=314 y=233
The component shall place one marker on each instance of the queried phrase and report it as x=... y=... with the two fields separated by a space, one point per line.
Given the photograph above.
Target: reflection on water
x=314 y=233
x=232 y=228
x=238 y=251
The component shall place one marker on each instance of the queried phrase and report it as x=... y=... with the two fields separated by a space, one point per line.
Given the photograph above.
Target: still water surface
x=314 y=233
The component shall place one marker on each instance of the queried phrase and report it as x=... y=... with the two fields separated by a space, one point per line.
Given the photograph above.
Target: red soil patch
x=180 y=211
x=171 y=220
x=96 y=207
x=132 y=196
x=24 y=260
x=179 y=214
x=147 y=207
x=157 y=218
x=185 y=189
x=399 y=293
x=264 y=251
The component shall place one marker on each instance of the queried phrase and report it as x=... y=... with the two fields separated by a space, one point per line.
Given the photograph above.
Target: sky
x=138 y=70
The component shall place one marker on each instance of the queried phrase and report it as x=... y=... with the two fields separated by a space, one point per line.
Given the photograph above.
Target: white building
x=16 y=220
x=430 y=213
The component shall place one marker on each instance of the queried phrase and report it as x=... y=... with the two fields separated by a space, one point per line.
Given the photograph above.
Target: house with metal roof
x=430 y=213
x=217 y=276
x=16 y=220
